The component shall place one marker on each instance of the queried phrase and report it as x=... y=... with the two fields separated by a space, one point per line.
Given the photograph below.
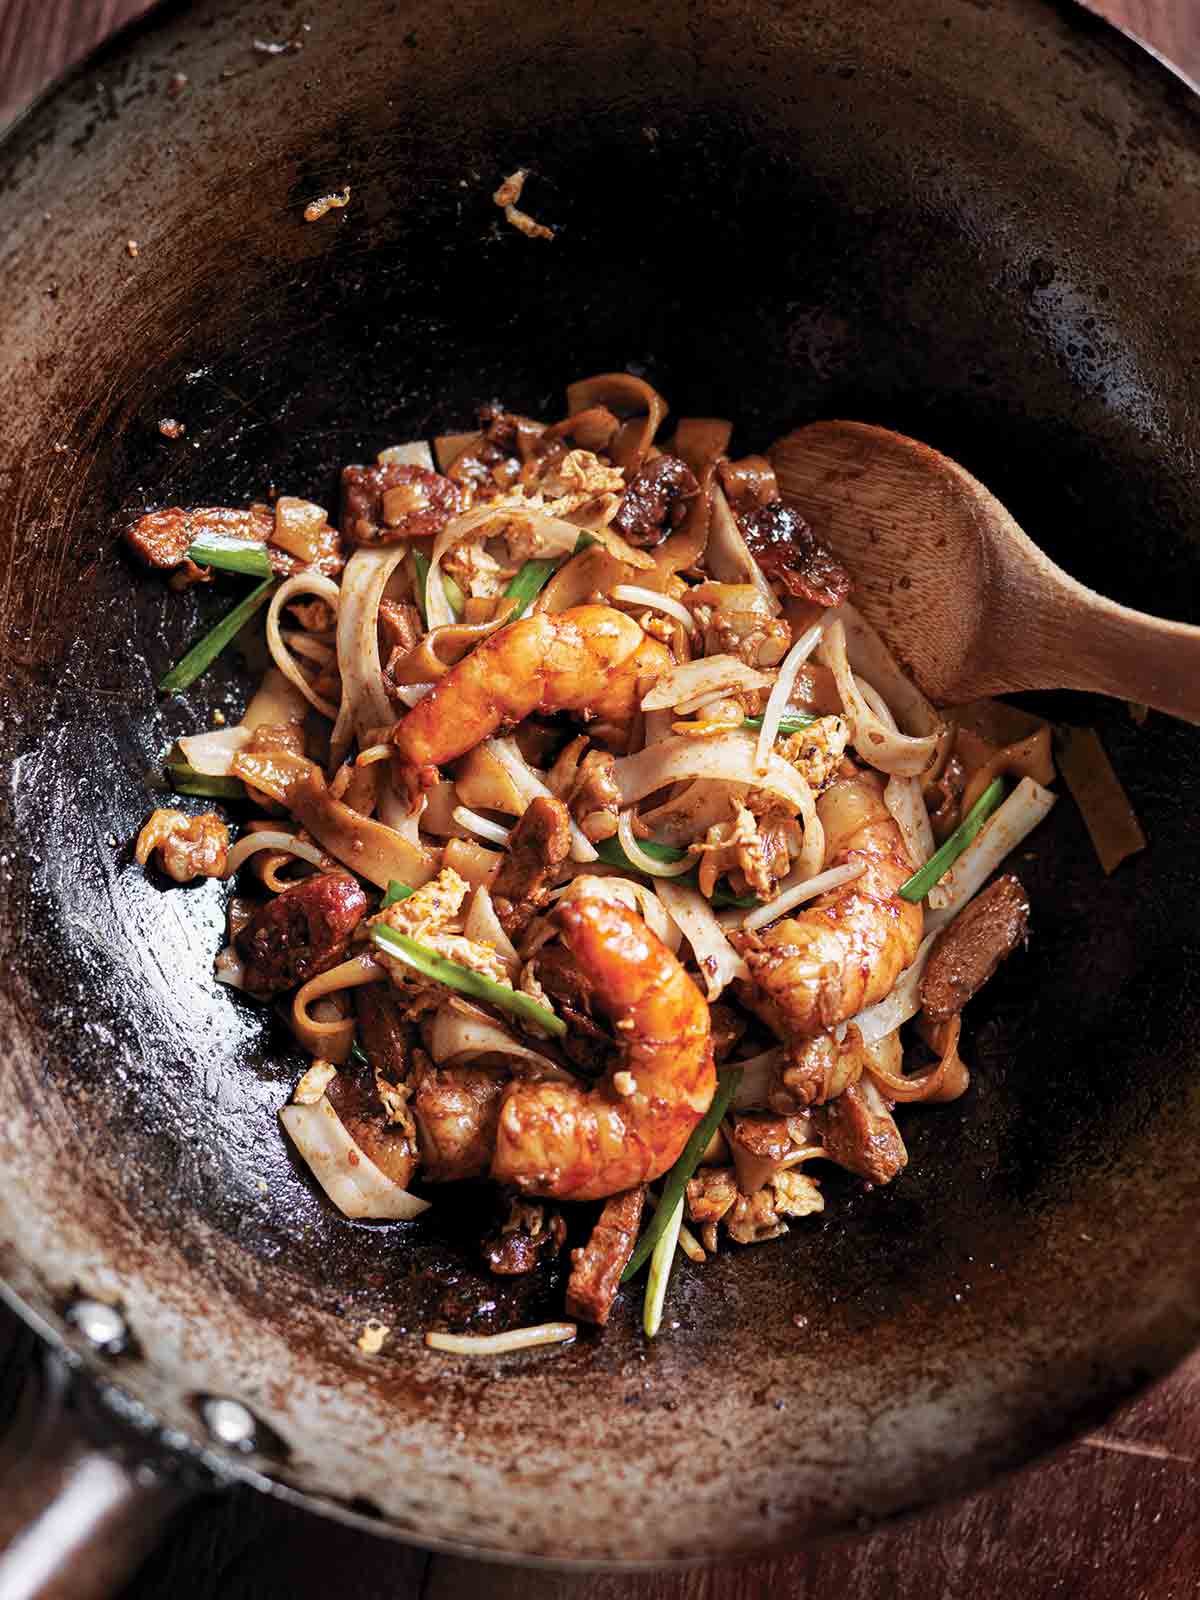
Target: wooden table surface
x=1113 y=1516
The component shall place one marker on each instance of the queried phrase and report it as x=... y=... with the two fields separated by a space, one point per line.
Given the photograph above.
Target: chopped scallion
x=676 y=1180
x=456 y=599
x=395 y=891
x=202 y=655
x=465 y=980
x=248 y=556
x=358 y=1056
x=186 y=780
x=939 y=864
x=529 y=583
x=796 y=723
x=421 y=569
x=661 y=1262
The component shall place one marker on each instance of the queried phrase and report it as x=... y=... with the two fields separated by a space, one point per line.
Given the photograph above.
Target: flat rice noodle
x=275 y=773
x=473 y=861
x=328 y=1039
x=447 y=447
x=626 y=397
x=442 y=648
x=885 y=1065
x=1030 y=757
x=485 y=784
x=870 y=657
x=529 y=785
x=461 y=1034
x=901 y=754
x=718 y=961
x=369 y=848
x=886 y=1015
x=310 y=583
x=943 y=1038
x=346 y=1173
x=696 y=680
x=438 y=815
x=1112 y=826
x=728 y=556
x=700 y=442
x=276 y=701
x=904 y=799
x=365 y=703
x=816 y=690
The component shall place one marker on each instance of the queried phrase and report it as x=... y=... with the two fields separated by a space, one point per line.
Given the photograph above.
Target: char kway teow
x=589 y=840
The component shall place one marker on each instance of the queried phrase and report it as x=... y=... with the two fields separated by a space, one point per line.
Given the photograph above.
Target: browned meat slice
x=383 y=1034
x=595 y=796
x=382 y=505
x=710 y=1194
x=399 y=628
x=591 y=429
x=456 y=1110
x=966 y=954
x=943 y=799
x=859 y=1132
x=655 y=501
x=506 y=442
x=385 y=1139
x=162 y=538
x=728 y=1026
x=789 y=552
x=596 y=1269
x=526 y=1232
x=537 y=847
x=302 y=932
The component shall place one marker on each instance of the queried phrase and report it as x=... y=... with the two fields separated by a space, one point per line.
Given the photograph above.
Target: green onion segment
x=395 y=891
x=661 y=1262
x=202 y=655
x=676 y=1180
x=611 y=852
x=796 y=723
x=247 y=556
x=919 y=885
x=186 y=780
x=464 y=979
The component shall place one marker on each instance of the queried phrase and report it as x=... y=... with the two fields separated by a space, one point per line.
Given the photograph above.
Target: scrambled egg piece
x=188 y=847
x=816 y=751
x=739 y=847
x=430 y=916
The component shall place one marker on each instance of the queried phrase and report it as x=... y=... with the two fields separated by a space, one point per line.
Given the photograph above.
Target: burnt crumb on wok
x=506 y=197
x=325 y=203
x=589 y=876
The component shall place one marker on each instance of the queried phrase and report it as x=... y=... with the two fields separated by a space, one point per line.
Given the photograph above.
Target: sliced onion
x=781 y=694
x=460 y=1034
x=758 y=1074
x=298 y=525
x=211 y=753
x=529 y=786
x=728 y=556
x=792 y=895
x=346 y=1173
x=880 y=746
x=884 y=1061
x=501 y=1344
x=365 y=702
x=271 y=839
x=484 y=827
x=638 y=857
x=630 y=594
x=696 y=680
x=414 y=454
x=302 y=643
x=303 y=583
x=483 y=926
x=718 y=961
x=1020 y=814
x=369 y=848
x=868 y=655
x=276 y=701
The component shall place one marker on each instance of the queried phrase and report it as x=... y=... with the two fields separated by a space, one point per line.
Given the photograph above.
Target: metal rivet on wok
x=101 y=1325
x=229 y=1422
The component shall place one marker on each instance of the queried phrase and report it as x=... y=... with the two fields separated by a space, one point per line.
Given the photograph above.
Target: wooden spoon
x=964 y=597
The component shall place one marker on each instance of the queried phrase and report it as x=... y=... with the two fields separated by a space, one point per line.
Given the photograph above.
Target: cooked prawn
x=572 y=1143
x=590 y=660
x=813 y=971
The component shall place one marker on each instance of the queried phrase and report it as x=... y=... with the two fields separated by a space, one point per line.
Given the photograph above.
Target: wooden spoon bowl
x=961 y=593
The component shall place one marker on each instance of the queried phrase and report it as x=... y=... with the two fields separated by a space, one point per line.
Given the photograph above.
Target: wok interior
x=774 y=219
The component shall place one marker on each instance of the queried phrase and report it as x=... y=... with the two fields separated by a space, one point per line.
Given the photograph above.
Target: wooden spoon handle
x=1063 y=635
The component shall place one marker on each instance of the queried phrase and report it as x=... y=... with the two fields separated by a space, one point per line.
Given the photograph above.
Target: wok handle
x=82 y=1499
